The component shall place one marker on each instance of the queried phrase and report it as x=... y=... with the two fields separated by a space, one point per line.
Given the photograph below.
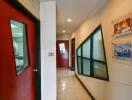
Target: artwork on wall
x=123 y=27
x=122 y=51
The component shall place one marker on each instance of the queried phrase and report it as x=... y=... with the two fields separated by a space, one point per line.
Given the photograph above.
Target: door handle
x=35 y=70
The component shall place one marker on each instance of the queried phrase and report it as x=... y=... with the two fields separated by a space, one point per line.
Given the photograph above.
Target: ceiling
x=77 y=10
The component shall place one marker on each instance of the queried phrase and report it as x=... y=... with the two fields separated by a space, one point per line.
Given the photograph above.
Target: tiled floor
x=69 y=87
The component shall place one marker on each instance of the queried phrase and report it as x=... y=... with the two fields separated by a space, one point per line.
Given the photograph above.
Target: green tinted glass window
x=86 y=49
x=79 y=51
x=86 y=67
x=99 y=70
x=98 y=50
x=79 y=65
x=92 y=60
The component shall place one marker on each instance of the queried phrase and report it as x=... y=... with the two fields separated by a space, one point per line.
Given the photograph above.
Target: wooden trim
x=25 y=11
x=85 y=88
x=72 y=45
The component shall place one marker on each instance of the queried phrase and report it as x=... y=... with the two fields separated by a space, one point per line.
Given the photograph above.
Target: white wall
x=66 y=37
x=48 y=45
x=63 y=37
x=120 y=72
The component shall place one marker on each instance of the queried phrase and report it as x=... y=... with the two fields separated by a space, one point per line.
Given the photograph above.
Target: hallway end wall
x=120 y=85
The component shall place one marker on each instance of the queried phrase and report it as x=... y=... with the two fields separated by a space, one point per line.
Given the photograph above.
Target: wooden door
x=16 y=72
x=73 y=53
x=62 y=53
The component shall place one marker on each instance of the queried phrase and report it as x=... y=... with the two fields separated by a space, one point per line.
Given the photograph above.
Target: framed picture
x=123 y=51
x=123 y=27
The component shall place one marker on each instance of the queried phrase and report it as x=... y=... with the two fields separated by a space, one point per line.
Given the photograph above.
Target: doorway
x=62 y=54
x=17 y=55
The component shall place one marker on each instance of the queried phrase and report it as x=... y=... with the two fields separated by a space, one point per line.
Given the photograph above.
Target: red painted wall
x=62 y=59
x=13 y=87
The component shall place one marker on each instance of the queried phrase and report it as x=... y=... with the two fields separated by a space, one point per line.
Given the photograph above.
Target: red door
x=13 y=86
x=73 y=53
x=62 y=53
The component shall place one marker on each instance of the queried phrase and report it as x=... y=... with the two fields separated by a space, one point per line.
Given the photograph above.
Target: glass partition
x=92 y=60
x=98 y=50
x=20 y=45
x=79 y=65
x=86 y=49
x=86 y=67
x=99 y=70
x=79 y=52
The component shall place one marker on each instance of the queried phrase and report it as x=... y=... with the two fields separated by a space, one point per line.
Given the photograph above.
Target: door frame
x=25 y=11
x=74 y=54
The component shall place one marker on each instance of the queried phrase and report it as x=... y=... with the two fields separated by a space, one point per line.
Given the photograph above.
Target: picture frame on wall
x=123 y=28
x=122 y=51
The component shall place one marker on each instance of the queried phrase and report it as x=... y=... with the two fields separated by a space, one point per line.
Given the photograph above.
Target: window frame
x=92 y=60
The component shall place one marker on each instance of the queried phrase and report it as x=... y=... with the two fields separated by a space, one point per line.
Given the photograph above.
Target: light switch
x=51 y=54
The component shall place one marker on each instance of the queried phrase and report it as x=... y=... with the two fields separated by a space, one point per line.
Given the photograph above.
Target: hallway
x=69 y=87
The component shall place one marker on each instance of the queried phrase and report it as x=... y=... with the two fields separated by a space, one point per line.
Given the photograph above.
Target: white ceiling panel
x=77 y=10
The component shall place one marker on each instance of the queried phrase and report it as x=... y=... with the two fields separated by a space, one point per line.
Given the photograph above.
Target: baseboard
x=85 y=88
x=71 y=68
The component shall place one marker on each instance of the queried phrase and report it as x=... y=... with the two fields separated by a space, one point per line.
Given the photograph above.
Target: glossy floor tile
x=69 y=88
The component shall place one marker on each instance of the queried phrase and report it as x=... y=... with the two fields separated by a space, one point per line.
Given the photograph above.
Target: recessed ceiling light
x=69 y=20
x=64 y=31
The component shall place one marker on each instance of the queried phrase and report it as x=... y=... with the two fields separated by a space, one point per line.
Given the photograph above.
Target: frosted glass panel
x=62 y=48
x=98 y=52
x=79 y=64
x=86 y=67
x=100 y=70
x=79 y=52
x=86 y=49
